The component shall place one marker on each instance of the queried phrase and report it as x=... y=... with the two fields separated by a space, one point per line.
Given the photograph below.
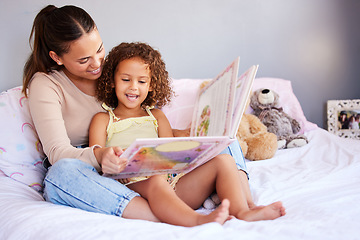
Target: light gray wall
x=313 y=43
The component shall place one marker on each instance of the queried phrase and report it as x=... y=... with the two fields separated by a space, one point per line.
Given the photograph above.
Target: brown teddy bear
x=255 y=141
x=265 y=103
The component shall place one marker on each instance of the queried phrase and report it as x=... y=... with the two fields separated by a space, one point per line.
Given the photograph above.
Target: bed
x=317 y=183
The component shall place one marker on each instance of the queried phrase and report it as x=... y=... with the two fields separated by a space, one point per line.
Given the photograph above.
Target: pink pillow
x=180 y=110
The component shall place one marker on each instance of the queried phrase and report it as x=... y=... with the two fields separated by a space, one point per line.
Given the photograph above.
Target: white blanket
x=319 y=185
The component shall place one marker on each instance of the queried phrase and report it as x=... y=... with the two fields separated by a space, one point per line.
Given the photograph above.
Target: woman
x=60 y=76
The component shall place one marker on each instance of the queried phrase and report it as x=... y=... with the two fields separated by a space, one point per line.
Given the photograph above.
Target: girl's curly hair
x=161 y=93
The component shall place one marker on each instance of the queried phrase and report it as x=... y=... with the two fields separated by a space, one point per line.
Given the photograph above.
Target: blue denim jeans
x=74 y=183
x=235 y=151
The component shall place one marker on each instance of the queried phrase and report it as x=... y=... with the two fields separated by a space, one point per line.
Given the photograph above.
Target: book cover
x=242 y=94
x=213 y=108
x=148 y=156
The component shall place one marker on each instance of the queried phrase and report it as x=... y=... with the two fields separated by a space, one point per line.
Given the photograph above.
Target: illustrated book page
x=150 y=156
x=222 y=102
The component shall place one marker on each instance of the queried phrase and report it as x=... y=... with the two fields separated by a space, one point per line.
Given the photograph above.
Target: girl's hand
x=111 y=163
x=181 y=133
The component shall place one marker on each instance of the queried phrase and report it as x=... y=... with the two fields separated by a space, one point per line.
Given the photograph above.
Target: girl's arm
x=97 y=130
x=164 y=127
x=108 y=157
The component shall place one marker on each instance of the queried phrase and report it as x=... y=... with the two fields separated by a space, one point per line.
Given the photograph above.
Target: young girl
x=134 y=80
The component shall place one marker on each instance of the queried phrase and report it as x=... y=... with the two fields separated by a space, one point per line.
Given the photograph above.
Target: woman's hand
x=110 y=160
x=124 y=180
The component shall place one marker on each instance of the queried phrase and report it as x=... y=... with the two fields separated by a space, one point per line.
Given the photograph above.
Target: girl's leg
x=221 y=174
x=169 y=208
x=73 y=183
x=244 y=182
x=235 y=151
x=138 y=208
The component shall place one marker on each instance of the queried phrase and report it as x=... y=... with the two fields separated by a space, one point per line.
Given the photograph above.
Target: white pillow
x=20 y=150
x=179 y=111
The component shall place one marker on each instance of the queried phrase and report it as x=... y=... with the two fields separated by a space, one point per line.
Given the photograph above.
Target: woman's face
x=85 y=57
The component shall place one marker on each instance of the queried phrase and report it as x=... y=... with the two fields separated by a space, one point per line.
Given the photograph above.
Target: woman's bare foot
x=219 y=215
x=269 y=212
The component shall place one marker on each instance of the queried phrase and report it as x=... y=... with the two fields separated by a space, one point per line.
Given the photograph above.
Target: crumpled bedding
x=317 y=183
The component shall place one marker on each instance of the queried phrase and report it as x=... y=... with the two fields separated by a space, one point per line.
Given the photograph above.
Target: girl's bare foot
x=269 y=212
x=219 y=215
x=256 y=207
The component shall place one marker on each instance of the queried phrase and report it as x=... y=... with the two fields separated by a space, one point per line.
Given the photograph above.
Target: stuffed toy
x=255 y=141
x=265 y=102
x=212 y=202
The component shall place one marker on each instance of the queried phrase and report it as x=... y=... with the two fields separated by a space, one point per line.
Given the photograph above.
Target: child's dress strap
x=148 y=110
x=110 y=110
x=111 y=117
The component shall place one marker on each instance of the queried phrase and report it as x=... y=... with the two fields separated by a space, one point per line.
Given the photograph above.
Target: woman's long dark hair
x=53 y=30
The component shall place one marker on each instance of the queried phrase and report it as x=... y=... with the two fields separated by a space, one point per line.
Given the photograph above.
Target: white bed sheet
x=319 y=185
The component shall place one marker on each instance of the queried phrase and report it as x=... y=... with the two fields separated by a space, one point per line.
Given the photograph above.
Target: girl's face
x=132 y=82
x=85 y=57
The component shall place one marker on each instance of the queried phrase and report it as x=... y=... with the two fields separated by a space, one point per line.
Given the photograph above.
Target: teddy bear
x=264 y=103
x=255 y=141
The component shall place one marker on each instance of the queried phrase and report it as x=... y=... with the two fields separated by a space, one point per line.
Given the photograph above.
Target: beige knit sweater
x=62 y=115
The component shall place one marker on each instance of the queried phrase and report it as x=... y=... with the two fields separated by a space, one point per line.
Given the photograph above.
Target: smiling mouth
x=132 y=97
x=96 y=71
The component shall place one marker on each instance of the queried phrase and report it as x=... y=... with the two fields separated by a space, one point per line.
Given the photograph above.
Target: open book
x=216 y=118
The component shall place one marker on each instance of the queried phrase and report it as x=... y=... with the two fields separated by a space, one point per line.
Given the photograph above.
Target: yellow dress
x=122 y=132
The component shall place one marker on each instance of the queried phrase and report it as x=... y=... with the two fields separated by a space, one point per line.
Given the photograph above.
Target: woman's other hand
x=124 y=180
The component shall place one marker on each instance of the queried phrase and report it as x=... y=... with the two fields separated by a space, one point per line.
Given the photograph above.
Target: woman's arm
x=46 y=99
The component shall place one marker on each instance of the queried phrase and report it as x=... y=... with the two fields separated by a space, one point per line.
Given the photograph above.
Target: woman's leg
x=169 y=208
x=221 y=174
x=73 y=183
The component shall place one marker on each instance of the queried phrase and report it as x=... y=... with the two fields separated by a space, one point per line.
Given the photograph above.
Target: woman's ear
x=55 y=57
